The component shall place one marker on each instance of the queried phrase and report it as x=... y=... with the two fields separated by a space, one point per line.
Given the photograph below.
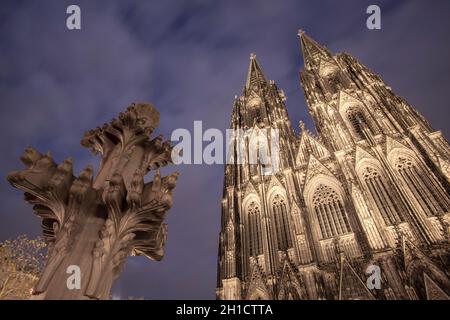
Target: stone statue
x=95 y=223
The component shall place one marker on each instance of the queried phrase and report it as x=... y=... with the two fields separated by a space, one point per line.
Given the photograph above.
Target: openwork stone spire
x=255 y=76
x=95 y=223
x=311 y=50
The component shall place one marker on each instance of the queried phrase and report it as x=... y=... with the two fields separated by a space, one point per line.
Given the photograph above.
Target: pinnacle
x=301 y=125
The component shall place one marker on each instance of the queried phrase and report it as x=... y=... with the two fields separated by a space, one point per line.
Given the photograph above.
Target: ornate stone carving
x=96 y=223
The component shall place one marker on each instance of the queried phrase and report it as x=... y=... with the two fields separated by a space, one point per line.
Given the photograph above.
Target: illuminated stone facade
x=371 y=188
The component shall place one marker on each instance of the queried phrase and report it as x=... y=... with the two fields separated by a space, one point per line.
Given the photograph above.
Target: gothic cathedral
x=365 y=200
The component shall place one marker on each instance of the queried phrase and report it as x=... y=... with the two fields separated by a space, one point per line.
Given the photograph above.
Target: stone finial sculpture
x=95 y=223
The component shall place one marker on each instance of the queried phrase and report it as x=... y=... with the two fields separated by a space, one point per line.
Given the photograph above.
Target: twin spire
x=311 y=50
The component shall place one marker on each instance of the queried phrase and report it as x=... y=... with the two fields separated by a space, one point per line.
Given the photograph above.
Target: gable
x=314 y=168
x=310 y=145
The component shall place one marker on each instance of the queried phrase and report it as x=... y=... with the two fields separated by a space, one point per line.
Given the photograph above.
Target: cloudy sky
x=189 y=58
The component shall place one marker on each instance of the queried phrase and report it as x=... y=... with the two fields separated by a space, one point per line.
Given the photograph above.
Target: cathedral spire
x=311 y=50
x=255 y=75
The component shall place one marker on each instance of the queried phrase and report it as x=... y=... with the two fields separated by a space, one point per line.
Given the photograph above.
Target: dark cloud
x=189 y=59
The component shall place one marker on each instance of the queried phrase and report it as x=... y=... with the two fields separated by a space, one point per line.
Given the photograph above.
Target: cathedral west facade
x=369 y=190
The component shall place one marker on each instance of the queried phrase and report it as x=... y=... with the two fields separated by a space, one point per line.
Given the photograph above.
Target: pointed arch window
x=280 y=216
x=254 y=115
x=357 y=121
x=330 y=212
x=257 y=114
x=429 y=193
x=254 y=112
x=254 y=229
x=383 y=196
x=334 y=81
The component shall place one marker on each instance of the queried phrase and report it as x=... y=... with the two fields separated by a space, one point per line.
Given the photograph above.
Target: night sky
x=189 y=58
